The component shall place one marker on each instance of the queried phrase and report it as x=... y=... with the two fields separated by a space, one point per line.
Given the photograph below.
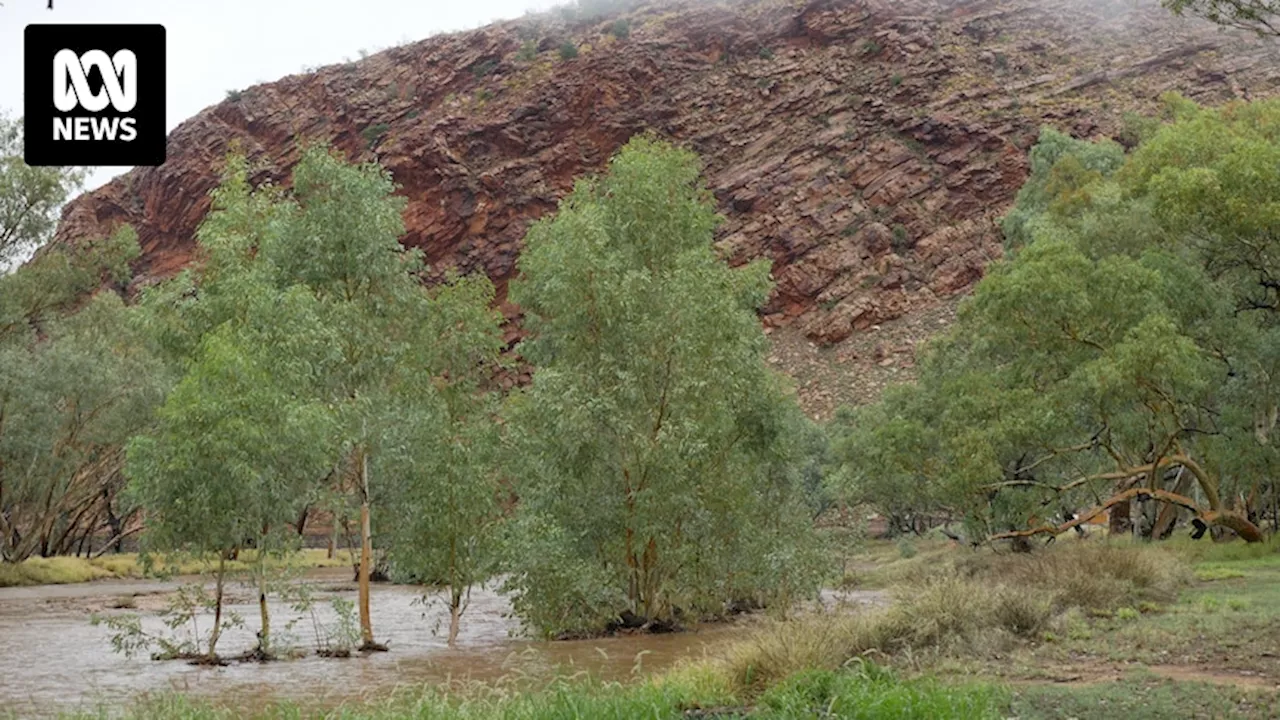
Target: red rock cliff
x=864 y=146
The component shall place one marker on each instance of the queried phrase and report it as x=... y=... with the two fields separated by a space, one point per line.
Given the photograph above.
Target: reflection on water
x=53 y=660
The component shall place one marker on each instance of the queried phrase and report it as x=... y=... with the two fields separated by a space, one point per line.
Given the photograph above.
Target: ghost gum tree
x=653 y=443
x=1126 y=350
x=343 y=246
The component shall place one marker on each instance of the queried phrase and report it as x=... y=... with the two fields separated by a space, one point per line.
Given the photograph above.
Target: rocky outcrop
x=865 y=147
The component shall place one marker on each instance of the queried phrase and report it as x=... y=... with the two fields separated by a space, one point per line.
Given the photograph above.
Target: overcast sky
x=219 y=45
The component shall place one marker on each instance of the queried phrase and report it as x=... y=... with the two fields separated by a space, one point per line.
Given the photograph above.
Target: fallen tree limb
x=1225 y=518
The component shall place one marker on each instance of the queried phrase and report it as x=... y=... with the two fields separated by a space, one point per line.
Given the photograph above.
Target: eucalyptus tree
x=333 y=237
x=441 y=445
x=1126 y=351
x=243 y=437
x=652 y=447
x=240 y=443
x=76 y=381
x=1257 y=16
x=30 y=197
x=341 y=242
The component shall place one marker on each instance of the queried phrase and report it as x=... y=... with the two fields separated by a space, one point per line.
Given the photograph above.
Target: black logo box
x=42 y=43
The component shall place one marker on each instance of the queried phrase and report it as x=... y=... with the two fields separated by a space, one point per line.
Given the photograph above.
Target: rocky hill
x=866 y=147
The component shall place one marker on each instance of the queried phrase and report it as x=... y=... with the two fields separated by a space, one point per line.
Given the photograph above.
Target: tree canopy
x=1126 y=349
x=30 y=197
x=654 y=444
x=1259 y=16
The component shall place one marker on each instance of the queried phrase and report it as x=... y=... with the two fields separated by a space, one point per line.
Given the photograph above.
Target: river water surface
x=52 y=660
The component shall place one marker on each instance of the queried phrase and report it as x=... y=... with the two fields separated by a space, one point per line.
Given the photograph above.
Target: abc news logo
x=95 y=95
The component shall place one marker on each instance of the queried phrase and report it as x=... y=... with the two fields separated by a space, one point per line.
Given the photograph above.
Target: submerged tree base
x=372 y=646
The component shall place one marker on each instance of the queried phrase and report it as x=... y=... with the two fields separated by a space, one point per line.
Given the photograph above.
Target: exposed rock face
x=864 y=146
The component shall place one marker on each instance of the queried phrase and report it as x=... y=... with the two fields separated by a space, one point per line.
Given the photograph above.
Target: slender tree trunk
x=333 y=536
x=302 y=522
x=366 y=554
x=455 y=613
x=217 y=607
x=264 y=635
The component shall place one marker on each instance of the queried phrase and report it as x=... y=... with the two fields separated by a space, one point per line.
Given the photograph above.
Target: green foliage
x=766 y=53
x=1136 y=128
x=1259 y=16
x=30 y=197
x=312 y=353
x=1133 y=337
x=373 y=134
x=1143 y=696
x=651 y=398
x=234 y=95
x=442 y=445
x=620 y=28
x=181 y=616
x=1061 y=167
x=528 y=51
x=901 y=242
x=76 y=381
x=484 y=67
x=568 y=50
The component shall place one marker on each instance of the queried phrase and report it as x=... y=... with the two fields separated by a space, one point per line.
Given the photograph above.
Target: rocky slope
x=864 y=146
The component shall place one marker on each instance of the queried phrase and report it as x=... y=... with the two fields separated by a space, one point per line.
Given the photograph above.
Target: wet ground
x=53 y=660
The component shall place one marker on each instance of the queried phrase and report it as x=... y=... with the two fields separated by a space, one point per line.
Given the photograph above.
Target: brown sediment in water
x=54 y=661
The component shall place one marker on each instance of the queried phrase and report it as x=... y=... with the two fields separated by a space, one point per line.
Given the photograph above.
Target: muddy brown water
x=52 y=660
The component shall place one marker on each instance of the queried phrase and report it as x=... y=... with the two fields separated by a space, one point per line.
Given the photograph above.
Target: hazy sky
x=219 y=45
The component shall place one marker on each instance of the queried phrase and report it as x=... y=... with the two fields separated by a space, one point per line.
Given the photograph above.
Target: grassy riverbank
x=65 y=570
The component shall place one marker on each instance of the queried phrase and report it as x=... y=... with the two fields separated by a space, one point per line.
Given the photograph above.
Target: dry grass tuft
x=1088 y=575
x=978 y=601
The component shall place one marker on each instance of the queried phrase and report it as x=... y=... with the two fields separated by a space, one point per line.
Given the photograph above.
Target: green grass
x=66 y=570
x=875 y=694
x=1142 y=696
x=862 y=691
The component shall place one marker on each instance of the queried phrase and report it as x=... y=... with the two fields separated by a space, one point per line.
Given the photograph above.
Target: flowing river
x=52 y=660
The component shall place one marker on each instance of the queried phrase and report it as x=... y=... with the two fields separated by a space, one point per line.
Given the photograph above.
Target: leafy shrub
x=374 y=133
x=234 y=95
x=568 y=50
x=766 y=53
x=481 y=69
x=901 y=240
x=620 y=28
x=527 y=52
x=906 y=548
